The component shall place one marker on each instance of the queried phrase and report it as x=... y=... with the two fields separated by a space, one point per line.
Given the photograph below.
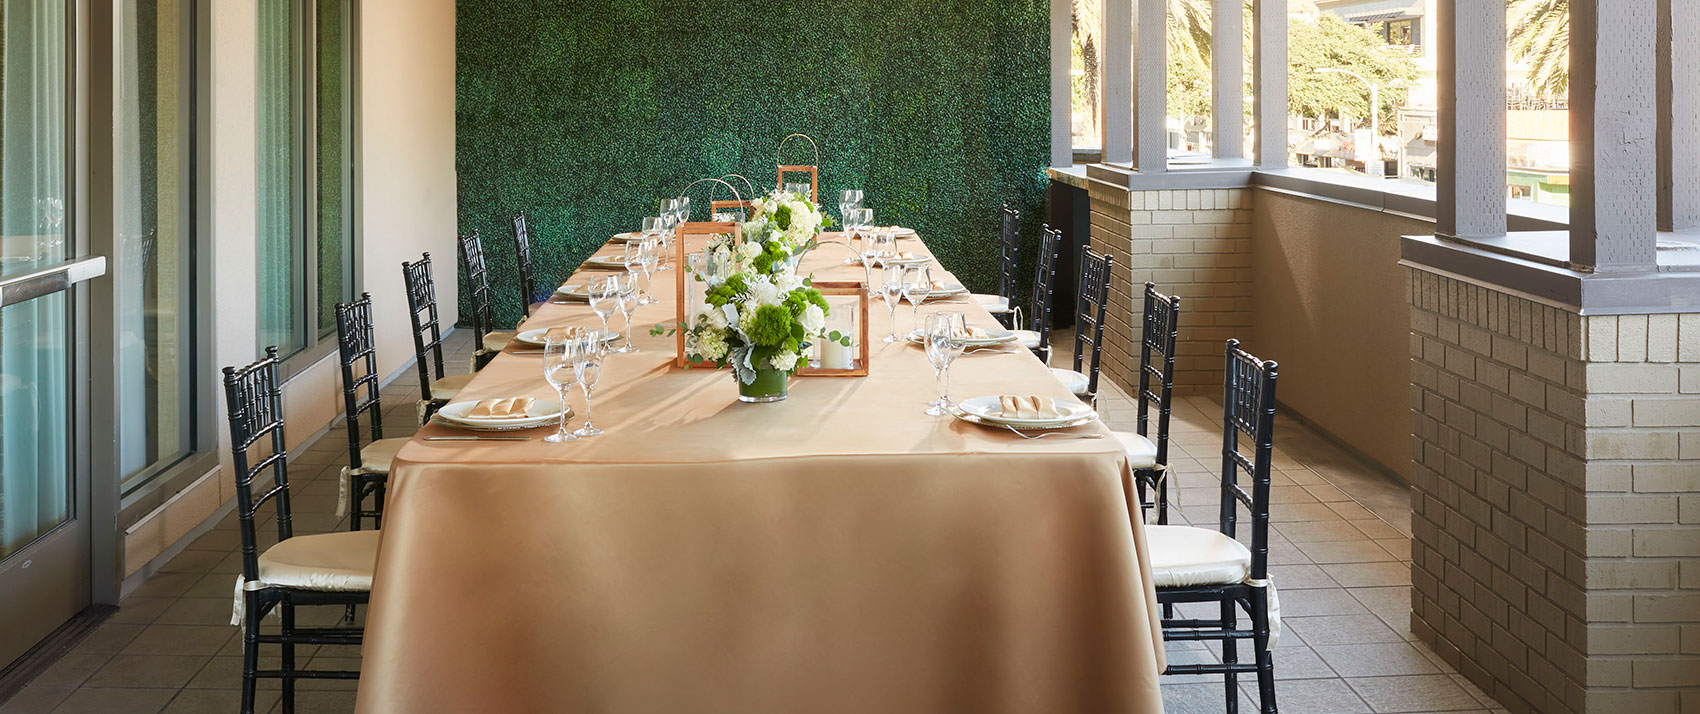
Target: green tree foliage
x=1539 y=37
x=1329 y=42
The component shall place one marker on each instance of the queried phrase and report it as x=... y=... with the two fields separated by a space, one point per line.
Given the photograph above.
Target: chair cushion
x=498 y=341
x=1141 y=453
x=376 y=457
x=330 y=562
x=1075 y=381
x=995 y=304
x=1184 y=556
x=449 y=387
x=1027 y=338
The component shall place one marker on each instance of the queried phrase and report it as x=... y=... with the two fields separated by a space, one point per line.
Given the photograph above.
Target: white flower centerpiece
x=760 y=317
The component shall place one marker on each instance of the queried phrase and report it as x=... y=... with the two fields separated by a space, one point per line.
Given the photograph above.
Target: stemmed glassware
x=648 y=254
x=587 y=367
x=605 y=298
x=869 y=254
x=917 y=287
x=628 y=302
x=848 y=200
x=558 y=370
x=946 y=337
x=892 y=292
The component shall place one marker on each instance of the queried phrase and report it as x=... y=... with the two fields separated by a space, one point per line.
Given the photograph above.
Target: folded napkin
x=559 y=334
x=938 y=286
x=515 y=408
x=977 y=333
x=1028 y=407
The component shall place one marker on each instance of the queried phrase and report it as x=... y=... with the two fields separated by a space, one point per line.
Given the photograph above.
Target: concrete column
x=1062 y=95
x=1613 y=130
x=1116 y=106
x=1269 y=83
x=1227 y=69
x=1470 y=67
x=1679 y=116
x=1150 y=86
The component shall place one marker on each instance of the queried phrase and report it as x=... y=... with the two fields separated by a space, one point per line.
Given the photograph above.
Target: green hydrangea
x=770 y=326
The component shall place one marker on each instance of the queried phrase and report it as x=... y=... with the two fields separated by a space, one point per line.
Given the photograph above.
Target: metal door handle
x=51 y=279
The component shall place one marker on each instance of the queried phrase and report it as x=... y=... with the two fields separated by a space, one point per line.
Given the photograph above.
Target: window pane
x=1344 y=59
x=1088 y=27
x=151 y=212
x=332 y=95
x=282 y=262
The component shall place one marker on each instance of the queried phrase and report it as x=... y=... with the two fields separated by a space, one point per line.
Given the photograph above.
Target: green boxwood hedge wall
x=585 y=113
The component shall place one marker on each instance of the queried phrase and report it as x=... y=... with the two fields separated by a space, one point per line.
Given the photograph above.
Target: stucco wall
x=1328 y=303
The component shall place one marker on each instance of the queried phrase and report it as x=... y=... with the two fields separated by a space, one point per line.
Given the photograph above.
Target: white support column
x=1151 y=86
x=1062 y=95
x=1613 y=109
x=1470 y=69
x=1269 y=82
x=1227 y=69
x=1116 y=106
x=1679 y=116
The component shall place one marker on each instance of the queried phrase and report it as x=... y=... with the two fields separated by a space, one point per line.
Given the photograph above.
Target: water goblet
x=917 y=287
x=892 y=292
x=628 y=297
x=605 y=298
x=587 y=367
x=649 y=253
x=558 y=370
x=946 y=337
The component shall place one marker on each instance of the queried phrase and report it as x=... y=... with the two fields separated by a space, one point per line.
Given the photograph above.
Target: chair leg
x=288 y=629
x=1230 y=656
x=250 y=653
x=1265 y=658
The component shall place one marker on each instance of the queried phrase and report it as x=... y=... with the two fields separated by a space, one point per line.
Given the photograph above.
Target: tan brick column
x=1556 y=499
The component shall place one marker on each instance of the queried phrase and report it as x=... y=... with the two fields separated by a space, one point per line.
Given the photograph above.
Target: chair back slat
x=1008 y=251
x=1089 y=318
x=1044 y=286
x=359 y=360
x=477 y=287
x=1248 y=408
x=522 y=252
x=254 y=408
x=422 y=312
x=1157 y=365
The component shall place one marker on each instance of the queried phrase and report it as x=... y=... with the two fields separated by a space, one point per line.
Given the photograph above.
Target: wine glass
x=632 y=258
x=628 y=297
x=651 y=226
x=892 y=292
x=648 y=253
x=669 y=228
x=848 y=200
x=869 y=255
x=802 y=190
x=587 y=367
x=917 y=287
x=946 y=337
x=558 y=357
x=684 y=211
x=605 y=298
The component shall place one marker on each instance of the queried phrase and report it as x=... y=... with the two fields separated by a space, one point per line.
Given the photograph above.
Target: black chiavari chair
x=1002 y=304
x=368 y=460
x=323 y=569
x=1088 y=326
x=1201 y=565
x=527 y=278
x=483 y=303
x=1035 y=331
x=1148 y=453
x=435 y=387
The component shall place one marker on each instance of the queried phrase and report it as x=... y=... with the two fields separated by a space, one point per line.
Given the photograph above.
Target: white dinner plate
x=580 y=293
x=628 y=237
x=608 y=262
x=990 y=410
x=541 y=412
x=948 y=290
x=993 y=336
x=888 y=260
x=535 y=338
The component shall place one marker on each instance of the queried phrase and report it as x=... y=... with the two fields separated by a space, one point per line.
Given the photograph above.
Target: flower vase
x=769 y=386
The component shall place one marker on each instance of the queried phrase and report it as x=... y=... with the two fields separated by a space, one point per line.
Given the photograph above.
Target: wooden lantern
x=715 y=207
x=692 y=238
x=858 y=366
x=814 y=179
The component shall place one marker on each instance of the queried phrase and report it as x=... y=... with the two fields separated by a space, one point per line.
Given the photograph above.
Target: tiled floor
x=1338 y=551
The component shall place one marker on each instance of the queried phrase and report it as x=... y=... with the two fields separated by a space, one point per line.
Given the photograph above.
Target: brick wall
x=1192 y=243
x=1553 y=499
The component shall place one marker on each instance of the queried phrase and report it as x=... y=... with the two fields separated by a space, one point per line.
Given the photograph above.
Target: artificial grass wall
x=586 y=114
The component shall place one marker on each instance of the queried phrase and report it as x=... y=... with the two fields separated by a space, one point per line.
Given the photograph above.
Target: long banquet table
x=839 y=551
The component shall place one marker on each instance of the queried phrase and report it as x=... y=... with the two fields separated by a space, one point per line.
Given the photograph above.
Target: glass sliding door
x=153 y=252
x=44 y=555
x=282 y=264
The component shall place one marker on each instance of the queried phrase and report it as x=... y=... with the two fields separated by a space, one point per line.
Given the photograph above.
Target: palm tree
x=1539 y=36
x=1188 y=37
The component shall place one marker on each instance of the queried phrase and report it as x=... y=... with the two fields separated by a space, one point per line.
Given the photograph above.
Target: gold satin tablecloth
x=839 y=551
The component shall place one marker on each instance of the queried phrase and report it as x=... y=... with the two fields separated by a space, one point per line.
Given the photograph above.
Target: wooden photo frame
x=859 y=367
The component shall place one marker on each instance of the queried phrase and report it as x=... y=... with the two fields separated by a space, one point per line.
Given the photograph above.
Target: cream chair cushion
x=1027 y=338
x=376 y=457
x=498 y=341
x=1141 y=453
x=995 y=304
x=1075 y=381
x=449 y=387
x=331 y=562
x=1184 y=556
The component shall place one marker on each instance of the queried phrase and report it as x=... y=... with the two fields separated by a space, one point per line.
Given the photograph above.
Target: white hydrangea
x=749 y=250
x=804 y=217
x=711 y=346
x=813 y=319
x=784 y=360
x=787 y=281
